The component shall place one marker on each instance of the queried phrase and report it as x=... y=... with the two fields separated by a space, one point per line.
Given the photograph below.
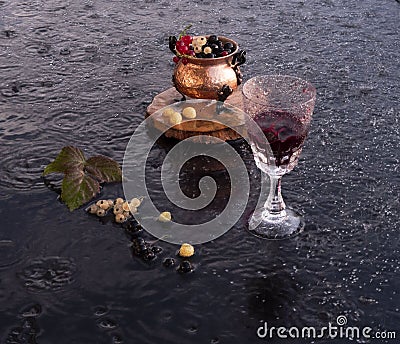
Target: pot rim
x=214 y=60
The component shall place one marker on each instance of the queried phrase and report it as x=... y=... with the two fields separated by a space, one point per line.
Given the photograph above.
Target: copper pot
x=209 y=78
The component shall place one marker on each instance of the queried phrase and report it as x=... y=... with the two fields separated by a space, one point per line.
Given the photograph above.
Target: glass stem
x=275 y=204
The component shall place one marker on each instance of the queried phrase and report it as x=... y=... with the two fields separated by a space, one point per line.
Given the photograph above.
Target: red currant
x=187 y=39
x=179 y=46
x=184 y=49
x=191 y=53
x=224 y=53
x=176 y=59
x=185 y=60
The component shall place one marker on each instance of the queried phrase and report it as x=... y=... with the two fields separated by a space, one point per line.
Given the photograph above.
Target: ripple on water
x=27 y=9
x=48 y=274
x=23 y=166
x=42 y=30
x=27 y=91
x=9 y=254
x=66 y=120
x=38 y=48
x=30 y=140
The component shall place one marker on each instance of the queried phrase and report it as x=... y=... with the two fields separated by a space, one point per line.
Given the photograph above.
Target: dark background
x=82 y=73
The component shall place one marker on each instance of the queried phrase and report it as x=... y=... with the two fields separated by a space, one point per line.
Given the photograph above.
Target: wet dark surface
x=82 y=73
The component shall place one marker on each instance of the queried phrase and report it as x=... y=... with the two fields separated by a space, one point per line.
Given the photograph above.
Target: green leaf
x=82 y=177
x=69 y=158
x=103 y=169
x=78 y=188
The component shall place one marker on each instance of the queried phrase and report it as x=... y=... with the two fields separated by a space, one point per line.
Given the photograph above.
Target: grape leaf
x=69 y=158
x=78 y=188
x=82 y=177
x=103 y=169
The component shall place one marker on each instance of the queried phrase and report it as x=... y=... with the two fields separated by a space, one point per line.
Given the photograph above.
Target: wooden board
x=202 y=128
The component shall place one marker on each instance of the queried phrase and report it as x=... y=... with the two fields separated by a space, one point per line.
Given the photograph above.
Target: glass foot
x=283 y=225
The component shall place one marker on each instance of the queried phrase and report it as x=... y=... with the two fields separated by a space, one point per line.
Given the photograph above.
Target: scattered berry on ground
x=186 y=250
x=185 y=267
x=164 y=216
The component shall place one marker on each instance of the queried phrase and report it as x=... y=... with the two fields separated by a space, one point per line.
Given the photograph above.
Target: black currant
x=149 y=255
x=168 y=262
x=212 y=39
x=156 y=249
x=185 y=267
x=142 y=248
x=228 y=46
x=140 y=241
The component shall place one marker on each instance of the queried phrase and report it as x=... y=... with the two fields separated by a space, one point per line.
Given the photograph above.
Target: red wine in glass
x=286 y=135
x=282 y=106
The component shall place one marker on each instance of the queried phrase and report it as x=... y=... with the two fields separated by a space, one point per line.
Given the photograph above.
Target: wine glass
x=282 y=106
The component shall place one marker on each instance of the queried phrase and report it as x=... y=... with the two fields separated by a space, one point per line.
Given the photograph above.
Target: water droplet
x=107 y=324
x=100 y=311
x=32 y=311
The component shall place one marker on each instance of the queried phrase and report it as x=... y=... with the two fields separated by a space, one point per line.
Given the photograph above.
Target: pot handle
x=237 y=60
x=172 y=44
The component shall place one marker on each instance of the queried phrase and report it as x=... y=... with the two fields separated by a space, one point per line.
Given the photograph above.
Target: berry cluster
x=122 y=210
x=145 y=250
x=184 y=267
x=175 y=117
x=201 y=47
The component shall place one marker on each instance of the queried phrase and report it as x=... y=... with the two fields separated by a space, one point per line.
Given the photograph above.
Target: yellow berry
x=110 y=202
x=201 y=40
x=168 y=111
x=105 y=205
x=119 y=200
x=133 y=210
x=125 y=206
x=135 y=202
x=93 y=209
x=207 y=50
x=197 y=49
x=189 y=112
x=100 y=202
x=127 y=214
x=118 y=209
x=186 y=250
x=175 y=118
x=101 y=212
x=120 y=218
x=164 y=216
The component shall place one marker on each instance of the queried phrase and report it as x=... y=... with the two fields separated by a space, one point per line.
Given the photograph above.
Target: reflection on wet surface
x=82 y=73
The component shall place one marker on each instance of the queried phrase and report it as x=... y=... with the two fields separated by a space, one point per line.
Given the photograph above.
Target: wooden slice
x=207 y=124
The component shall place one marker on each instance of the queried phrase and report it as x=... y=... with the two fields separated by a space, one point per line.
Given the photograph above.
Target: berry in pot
x=207 y=50
x=228 y=46
x=212 y=39
x=187 y=39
